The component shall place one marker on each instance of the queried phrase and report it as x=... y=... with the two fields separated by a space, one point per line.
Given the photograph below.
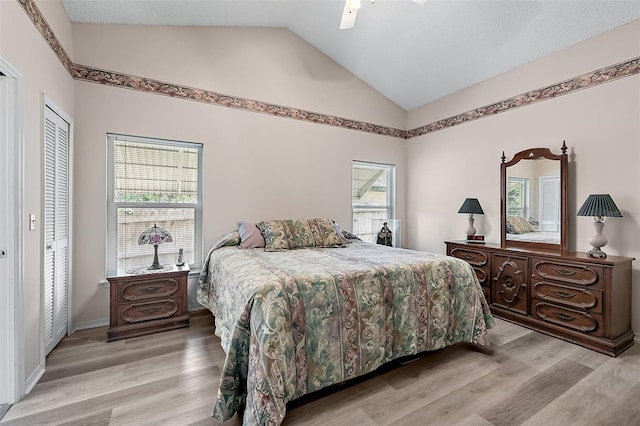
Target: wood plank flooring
x=524 y=378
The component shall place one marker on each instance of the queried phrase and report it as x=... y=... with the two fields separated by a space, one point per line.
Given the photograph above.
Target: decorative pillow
x=324 y=233
x=250 y=235
x=301 y=234
x=340 y=232
x=277 y=235
x=519 y=225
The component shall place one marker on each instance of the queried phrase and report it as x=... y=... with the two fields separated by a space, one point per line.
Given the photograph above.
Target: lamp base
x=471 y=231
x=597 y=253
x=156 y=264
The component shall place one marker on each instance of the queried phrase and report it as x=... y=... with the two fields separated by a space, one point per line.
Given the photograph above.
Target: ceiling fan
x=351 y=11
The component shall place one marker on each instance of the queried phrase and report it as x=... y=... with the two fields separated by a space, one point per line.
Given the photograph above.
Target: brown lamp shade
x=599 y=205
x=471 y=206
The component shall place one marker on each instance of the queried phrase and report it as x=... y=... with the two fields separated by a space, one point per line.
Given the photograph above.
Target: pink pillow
x=250 y=236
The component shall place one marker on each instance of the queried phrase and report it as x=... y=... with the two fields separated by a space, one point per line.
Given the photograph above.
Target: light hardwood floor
x=170 y=378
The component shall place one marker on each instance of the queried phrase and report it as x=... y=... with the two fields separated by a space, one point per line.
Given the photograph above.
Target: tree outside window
x=518 y=197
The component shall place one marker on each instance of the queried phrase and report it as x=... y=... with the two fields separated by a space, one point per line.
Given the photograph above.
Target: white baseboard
x=89 y=324
x=33 y=379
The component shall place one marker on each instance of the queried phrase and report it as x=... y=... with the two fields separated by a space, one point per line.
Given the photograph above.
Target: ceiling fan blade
x=348 y=16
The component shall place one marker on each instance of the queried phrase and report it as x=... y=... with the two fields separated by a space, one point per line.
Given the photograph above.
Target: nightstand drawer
x=572 y=297
x=145 y=289
x=146 y=311
x=568 y=273
x=584 y=322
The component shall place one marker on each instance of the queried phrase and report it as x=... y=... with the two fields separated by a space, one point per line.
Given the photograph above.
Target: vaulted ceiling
x=411 y=53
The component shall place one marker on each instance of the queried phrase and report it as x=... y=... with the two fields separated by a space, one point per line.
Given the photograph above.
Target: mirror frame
x=532 y=154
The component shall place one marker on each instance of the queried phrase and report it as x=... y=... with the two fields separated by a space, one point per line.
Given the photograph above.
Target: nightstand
x=145 y=301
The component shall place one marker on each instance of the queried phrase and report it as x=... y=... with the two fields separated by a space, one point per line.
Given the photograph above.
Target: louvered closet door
x=549 y=203
x=56 y=228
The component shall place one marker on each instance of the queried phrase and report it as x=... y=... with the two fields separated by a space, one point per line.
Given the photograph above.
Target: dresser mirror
x=533 y=199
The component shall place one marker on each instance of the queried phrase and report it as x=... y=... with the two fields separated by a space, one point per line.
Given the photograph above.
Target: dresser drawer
x=568 y=273
x=146 y=311
x=509 y=289
x=476 y=258
x=573 y=297
x=145 y=289
x=584 y=322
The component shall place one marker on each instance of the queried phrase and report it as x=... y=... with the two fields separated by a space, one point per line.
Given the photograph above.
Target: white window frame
x=391 y=189
x=112 y=206
x=525 y=197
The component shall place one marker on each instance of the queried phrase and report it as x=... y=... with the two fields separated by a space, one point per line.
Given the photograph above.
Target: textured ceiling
x=411 y=54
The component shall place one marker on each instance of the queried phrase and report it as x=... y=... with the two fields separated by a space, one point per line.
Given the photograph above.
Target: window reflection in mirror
x=533 y=201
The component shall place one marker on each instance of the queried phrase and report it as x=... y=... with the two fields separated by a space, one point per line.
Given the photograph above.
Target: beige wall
x=256 y=166
x=43 y=74
x=601 y=126
x=265 y=64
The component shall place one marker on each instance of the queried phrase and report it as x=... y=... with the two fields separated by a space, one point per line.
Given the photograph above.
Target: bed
x=520 y=229
x=536 y=237
x=292 y=322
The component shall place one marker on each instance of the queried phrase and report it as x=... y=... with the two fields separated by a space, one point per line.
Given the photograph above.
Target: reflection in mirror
x=533 y=201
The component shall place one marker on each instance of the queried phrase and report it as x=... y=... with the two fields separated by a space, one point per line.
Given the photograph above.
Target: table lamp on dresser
x=599 y=206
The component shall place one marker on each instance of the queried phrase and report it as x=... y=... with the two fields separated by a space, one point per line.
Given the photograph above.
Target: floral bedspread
x=293 y=322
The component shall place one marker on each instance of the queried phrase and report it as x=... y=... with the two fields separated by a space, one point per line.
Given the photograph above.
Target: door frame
x=12 y=307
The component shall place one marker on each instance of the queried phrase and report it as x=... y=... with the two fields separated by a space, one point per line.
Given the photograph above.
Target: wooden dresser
x=577 y=298
x=148 y=302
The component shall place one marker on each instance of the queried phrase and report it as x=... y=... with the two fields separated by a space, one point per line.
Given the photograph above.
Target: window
x=153 y=182
x=372 y=197
x=518 y=197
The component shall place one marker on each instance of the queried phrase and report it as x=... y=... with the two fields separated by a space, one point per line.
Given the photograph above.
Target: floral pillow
x=299 y=233
x=277 y=235
x=324 y=233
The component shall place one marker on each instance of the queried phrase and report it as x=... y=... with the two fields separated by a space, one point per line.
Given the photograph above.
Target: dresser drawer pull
x=564 y=294
x=150 y=288
x=563 y=316
x=469 y=256
x=565 y=272
x=151 y=310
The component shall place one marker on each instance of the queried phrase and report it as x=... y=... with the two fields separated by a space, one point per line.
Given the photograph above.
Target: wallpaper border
x=147 y=85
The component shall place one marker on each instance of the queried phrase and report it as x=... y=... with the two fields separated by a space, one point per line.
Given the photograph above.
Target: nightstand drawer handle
x=151 y=310
x=564 y=316
x=565 y=272
x=150 y=288
x=564 y=294
x=469 y=256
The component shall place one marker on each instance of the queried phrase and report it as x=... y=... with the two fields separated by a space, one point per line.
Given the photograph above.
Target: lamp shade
x=155 y=236
x=599 y=205
x=471 y=206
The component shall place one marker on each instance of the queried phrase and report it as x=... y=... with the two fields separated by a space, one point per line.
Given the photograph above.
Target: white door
x=11 y=143
x=549 y=204
x=56 y=227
